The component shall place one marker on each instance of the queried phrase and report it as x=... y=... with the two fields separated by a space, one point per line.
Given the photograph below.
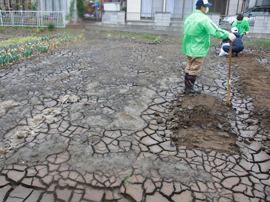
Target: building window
x=175 y=7
x=157 y=6
x=151 y=6
x=219 y=6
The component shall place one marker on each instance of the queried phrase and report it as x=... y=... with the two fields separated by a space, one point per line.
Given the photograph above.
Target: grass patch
x=27 y=29
x=126 y=34
x=258 y=44
x=18 y=40
x=149 y=37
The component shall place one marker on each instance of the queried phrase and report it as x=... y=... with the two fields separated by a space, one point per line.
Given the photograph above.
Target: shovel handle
x=230 y=69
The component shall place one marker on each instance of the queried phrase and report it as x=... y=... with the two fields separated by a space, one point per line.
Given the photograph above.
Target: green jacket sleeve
x=234 y=24
x=247 y=26
x=212 y=29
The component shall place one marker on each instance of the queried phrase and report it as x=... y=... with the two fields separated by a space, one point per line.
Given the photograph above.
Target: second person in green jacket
x=197 y=30
x=242 y=25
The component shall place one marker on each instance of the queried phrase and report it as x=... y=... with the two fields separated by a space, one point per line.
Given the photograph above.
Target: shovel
x=229 y=82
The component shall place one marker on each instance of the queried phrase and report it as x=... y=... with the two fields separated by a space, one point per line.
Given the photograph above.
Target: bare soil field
x=106 y=119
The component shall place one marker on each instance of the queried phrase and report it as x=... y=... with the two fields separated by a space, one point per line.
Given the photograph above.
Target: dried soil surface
x=255 y=81
x=94 y=121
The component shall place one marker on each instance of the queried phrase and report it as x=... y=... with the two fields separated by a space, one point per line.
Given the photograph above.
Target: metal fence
x=32 y=18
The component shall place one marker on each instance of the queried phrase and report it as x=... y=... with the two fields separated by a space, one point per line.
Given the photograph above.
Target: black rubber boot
x=191 y=81
x=186 y=81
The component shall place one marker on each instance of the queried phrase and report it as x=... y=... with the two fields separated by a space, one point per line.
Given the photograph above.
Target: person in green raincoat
x=197 y=30
x=242 y=25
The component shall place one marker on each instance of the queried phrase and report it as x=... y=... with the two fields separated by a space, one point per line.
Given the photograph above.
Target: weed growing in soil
x=258 y=44
x=149 y=37
x=17 y=30
x=157 y=40
x=51 y=27
x=18 y=40
x=126 y=182
x=40 y=29
x=125 y=34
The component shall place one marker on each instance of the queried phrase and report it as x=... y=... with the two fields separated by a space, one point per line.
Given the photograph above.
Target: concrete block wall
x=113 y=18
x=262 y=25
x=162 y=19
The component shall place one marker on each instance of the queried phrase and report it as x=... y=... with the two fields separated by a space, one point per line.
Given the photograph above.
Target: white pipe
x=164 y=5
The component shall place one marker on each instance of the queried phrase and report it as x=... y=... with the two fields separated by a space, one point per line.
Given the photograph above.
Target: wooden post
x=230 y=69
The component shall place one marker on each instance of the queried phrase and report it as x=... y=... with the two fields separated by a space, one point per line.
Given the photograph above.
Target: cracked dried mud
x=95 y=120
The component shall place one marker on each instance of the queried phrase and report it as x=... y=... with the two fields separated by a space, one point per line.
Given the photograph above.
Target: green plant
x=10 y=52
x=80 y=8
x=71 y=10
x=126 y=182
x=42 y=48
x=157 y=40
x=17 y=41
x=149 y=37
x=51 y=27
x=33 y=6
x=258 y=44
x=27 y=51
x=109 y=37
x=42 y=29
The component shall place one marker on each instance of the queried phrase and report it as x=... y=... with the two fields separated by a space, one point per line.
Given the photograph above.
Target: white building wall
x=59 y=5
x=252 y=3
x=239 y=6
x=233 y=7
x=133 y=9
x=259 y=2
x=68 y=6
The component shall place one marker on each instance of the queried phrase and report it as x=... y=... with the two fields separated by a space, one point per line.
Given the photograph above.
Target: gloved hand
x=232 y=37
x=246 y=33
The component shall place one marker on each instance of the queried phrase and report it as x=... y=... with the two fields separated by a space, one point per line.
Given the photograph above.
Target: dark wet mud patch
x=203 y=122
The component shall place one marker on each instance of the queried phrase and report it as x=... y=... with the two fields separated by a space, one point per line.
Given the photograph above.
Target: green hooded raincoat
x=197 y=29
